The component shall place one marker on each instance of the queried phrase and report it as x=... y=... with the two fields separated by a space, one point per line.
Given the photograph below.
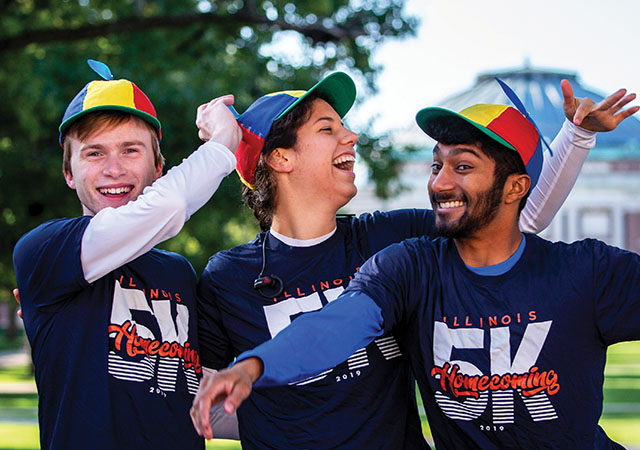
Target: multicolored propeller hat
x=337 y=88
x=511 y=127
x=110 y=94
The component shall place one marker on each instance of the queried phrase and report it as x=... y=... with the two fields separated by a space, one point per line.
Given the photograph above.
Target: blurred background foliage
x=181 y=54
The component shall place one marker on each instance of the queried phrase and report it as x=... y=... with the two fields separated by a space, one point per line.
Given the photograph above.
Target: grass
x=24 y=436
x=621 y=417
x=15 y=374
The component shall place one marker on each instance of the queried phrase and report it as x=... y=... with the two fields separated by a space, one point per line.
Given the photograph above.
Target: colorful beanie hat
x=112 y=95
x=502 y=123
x=339 y=90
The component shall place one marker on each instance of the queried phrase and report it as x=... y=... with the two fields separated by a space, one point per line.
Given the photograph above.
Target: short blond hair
x=104 y=120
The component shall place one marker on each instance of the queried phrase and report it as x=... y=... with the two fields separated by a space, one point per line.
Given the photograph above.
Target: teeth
x=455 y=204
x=343 y=159
x=115 y=191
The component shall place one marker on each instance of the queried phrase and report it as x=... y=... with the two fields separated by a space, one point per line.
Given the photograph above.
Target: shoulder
x=586 y=255
x=384 y=218
x=48 y=230
x=169 y=257
x=57 y=233
x=411 y=251
x=374 y=231
x=580 y=248
x=234 y=258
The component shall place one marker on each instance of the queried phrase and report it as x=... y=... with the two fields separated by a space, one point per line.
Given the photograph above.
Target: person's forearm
x=116 y=236
x=559 y=173
x=319 y=340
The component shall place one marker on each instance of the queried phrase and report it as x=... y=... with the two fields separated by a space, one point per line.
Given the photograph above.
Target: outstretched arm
x=116 y=236
x=570 y=149
x=312 y=343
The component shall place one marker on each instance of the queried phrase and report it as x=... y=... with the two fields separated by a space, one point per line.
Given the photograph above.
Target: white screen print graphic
x=279 y=316
x=465 y=390
x=162 y=355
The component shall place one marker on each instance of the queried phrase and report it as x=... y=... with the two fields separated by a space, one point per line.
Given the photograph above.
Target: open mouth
x=115 y=191
x=451 y=204
x=345 y=162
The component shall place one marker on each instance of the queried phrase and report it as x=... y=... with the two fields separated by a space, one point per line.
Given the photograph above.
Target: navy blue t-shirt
x=116 y=361
x=514 y=360
x=342 y=407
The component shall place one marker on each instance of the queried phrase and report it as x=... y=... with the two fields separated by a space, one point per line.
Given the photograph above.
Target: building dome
x=540 y=91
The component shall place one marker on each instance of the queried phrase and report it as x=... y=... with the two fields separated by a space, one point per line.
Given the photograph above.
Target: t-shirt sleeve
x=381 y=229
x=47 y=263
x=617 y=293
x=394 y=279
x=216 y=350
x=410 y=223
x=318 y=340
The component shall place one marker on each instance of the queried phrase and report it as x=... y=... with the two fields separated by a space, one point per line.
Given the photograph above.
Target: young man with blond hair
x=111 y=320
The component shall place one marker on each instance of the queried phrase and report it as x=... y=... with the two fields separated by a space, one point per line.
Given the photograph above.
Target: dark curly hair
x=283 y=134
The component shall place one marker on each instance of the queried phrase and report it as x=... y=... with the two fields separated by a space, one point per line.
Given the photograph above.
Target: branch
x=316 y=32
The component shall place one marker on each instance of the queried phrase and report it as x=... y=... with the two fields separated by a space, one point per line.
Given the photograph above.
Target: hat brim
x=155 y=123
x=338 y=88
x=426 y=117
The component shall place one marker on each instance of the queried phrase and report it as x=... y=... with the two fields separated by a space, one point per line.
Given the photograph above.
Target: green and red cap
x=502 y=123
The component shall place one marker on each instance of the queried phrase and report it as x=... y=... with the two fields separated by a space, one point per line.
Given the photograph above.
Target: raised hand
x=216 y=123
x=602 y=116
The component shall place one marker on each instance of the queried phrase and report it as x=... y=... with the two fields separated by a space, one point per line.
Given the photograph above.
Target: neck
x=493 y=244
x=303 y=221
x=304 y=213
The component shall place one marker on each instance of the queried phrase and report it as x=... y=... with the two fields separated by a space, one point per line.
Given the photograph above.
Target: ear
x=158 y=172
x=516 y=187
x=281 y=160
x=68 y=177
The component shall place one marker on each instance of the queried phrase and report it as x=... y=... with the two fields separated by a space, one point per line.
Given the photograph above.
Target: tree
x=181 y=53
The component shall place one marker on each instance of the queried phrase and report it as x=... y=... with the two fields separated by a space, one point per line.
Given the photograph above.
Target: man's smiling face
x=112 y=165
x=462 y=189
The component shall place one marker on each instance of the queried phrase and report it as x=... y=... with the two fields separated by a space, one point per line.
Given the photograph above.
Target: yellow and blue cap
x=511 y=127
x=109 y=95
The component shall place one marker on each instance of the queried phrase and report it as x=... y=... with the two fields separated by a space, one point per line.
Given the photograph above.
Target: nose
x=441 y=181
x=113 y=167
x=349 y=138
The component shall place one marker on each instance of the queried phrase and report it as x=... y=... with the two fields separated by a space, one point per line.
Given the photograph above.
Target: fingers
x=626 y=113
x=569 y=103
x=16 y=294
x=227 y=99
x=238 y=394
x=567 y=93
x=200 y=415
x=212 y=390
x=623 y=102
x=611 y=100
x=584 y=108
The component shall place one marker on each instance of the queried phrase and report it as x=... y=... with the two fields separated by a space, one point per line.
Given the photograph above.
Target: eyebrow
x=99 y=146
x=457 y=151
x=330 y=119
